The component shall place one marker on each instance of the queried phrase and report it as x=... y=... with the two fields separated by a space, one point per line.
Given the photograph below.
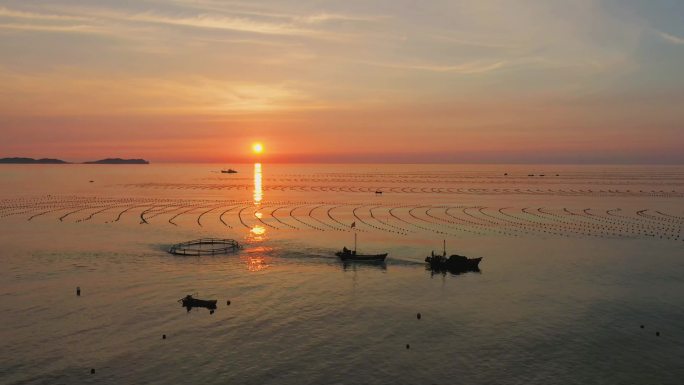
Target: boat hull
x=455 y=264
x=190 y=303
x=361 y=257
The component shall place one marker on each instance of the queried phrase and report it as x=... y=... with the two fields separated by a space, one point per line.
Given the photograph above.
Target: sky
x=497 y=81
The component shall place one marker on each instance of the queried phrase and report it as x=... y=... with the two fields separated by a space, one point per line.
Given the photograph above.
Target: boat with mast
x=351 y=255
x=455 y=263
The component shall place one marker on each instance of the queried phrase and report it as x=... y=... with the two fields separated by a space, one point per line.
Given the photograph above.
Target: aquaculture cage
x=205 y=246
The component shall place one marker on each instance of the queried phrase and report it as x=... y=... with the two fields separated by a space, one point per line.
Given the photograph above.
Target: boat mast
x=354 y=241
x=444 y=252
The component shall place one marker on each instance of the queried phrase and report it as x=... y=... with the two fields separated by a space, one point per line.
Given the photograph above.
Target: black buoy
x=657 y=334
x=163 y=336
x=228 y=302
x=418 y=315
x=78 y=291
x=92 y=371
x=642 y=326
x=408 y=346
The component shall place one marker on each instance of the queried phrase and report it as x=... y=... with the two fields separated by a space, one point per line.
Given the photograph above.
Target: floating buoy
x=92 y=371
x=418 y=315
x=657 y=334
x=78 y=290
x=408 y=346
x=228 y=302
x=642 y=326
x=163 y=336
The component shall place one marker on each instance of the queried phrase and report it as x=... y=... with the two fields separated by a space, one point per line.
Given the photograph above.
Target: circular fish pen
x=205 y=246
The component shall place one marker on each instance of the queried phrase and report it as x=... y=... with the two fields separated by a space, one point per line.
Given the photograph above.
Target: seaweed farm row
x=541 y=179
x=413 y=190
x=398 y=219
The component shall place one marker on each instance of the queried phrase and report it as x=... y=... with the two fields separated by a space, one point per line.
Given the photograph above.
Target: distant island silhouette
x=19 y=160
x=32 y=161
x=118 y=161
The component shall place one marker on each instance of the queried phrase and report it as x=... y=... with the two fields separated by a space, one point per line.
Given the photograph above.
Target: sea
x=581 y=279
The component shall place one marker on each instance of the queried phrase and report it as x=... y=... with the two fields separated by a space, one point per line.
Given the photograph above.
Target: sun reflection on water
x=258 y=190
x=257 y=264
x=256 y=259
x=258 y=230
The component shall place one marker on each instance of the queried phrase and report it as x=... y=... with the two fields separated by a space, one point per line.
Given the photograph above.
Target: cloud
x=475 y=67
x=68 y=92
x=16 y=14
x=249 y=9
x=46 y=22
x=222 y=23
x=77 y=28
x=671 y=38
x=327 y=17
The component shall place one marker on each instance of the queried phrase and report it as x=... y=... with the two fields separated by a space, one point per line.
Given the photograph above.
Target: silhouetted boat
x=352 y=255
x=189 y=302
x=455 y=263
x=229 y=171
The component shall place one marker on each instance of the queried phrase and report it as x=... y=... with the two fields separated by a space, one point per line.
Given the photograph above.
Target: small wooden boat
x=189 y=302
x=352 y=255
x=454 y=264
x=229 y=171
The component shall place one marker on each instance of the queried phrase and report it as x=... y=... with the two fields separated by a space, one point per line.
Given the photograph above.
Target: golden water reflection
x=258 y=190
x=257 y=264
x=256 y=259
x=258 y=230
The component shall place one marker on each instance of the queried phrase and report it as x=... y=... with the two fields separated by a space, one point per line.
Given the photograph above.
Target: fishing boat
x=352 y=255
x=229 y=171
x=189 y=302
x=454 y=264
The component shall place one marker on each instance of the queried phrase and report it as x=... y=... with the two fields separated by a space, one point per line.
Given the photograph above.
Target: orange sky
x=385 y=81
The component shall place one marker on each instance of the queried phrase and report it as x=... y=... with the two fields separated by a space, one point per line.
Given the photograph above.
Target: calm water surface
x=574 y=262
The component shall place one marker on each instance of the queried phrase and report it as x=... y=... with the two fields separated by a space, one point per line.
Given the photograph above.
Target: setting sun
x=257 y=148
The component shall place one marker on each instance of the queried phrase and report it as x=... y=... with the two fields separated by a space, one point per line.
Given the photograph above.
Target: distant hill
x=118 y=161
x=32 y=161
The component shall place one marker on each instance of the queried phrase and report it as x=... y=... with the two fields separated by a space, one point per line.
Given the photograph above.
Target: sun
x=257 y=148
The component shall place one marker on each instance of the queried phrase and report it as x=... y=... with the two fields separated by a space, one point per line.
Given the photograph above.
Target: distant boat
x=189 y=302
x=229 y=171
x=352 y=255
x=454 y=264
